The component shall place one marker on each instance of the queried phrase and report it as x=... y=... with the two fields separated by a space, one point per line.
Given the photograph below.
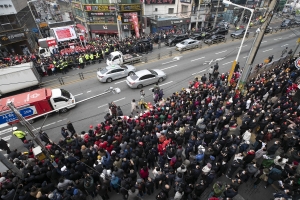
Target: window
x=59 y=99
x=184 y=9
x=170 y=10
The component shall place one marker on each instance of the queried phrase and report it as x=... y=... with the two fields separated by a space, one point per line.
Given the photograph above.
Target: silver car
x=113 y=72
x=187 y=44
x=145 y=77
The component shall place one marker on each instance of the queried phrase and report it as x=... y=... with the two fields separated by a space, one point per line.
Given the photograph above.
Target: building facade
x=98 y=17
x=15 y=24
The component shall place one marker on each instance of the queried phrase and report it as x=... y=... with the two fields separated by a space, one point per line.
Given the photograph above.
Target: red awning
x=81 y=27
x=106 y=31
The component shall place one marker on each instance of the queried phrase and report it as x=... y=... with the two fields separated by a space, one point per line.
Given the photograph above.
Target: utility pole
x=198 y=13
x=26 y=124
x=11 y=166
x=216 y=16
x=256 y=45
x=118 y=17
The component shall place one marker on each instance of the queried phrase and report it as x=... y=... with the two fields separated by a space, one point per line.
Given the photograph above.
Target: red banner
x=51 y=43
x=135 y=22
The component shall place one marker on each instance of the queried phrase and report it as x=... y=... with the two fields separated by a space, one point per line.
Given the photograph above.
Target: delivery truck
x=36 y=102
x=47 y=46
x=117 y=58
x=14 y=78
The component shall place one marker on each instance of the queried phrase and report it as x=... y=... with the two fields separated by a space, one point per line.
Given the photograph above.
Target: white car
x=187 y=44
x=145 y=77
x=113 y=72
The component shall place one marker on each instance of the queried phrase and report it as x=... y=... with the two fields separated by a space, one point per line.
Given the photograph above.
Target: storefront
x=102 y=19
x=167 y=24
x=14 y=43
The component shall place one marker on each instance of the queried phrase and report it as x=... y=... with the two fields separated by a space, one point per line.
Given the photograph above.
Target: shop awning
x=105 y=31
x=81 y=27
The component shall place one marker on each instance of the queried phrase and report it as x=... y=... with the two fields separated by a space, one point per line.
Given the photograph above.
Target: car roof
x=142 y=72
x=112 y=67
x=188 y=40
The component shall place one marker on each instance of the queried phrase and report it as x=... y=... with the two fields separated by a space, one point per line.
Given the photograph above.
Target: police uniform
x=19 y=134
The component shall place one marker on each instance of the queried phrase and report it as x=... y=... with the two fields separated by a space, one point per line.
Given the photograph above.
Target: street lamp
x=244 y=36
x=38 y=26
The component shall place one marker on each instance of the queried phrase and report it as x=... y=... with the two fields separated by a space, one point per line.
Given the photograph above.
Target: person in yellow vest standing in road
x=19 y=134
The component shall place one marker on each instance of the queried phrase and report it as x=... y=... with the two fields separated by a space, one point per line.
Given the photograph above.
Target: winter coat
x=247 y=136
x=249 y=157
x=144 y=173
x=260 y=153
x=132 y=195
x=178 y=195
x=251 y=169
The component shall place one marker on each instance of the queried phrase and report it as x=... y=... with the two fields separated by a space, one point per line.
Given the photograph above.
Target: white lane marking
x=88 y=91
x=113 y=101
x=264 y=41
x=169 y=67
x=198 y=72
x=245 y=57
x=6 y=138
x=278 y=38
x=163 y=84
x=284 y=45
x=49 y=124
x=227 y=63
x=4 y=125
x=197 y=59
x=221 y=52
x=6 y=131
x=120 y=82
x=59 y=121
x=168 y=62
x=102 y=106
x=119 y=99
x=78 y=94
x=268 y=50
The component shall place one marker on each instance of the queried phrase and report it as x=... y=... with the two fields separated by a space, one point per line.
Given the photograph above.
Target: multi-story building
x=98 y=17
x=16 y=22
x=166 y=15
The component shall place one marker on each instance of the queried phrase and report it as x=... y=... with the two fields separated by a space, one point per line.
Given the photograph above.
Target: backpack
x=199 y=158
x=115 y=182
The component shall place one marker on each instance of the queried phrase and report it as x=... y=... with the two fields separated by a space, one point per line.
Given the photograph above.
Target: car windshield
x=153 y=72
x=182 y=42
x=65 y=93
x=124 y=66
x=109 y=57
x=103 y=70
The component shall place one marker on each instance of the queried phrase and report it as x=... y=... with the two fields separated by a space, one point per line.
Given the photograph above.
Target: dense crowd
x=186 y=140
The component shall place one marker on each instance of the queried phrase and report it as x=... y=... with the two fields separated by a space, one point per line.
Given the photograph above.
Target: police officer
x=87 y=57
x=92 y=58
x=80 y=60
x=19 y=134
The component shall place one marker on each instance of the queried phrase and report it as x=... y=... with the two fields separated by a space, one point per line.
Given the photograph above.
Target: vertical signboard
x=135 y=24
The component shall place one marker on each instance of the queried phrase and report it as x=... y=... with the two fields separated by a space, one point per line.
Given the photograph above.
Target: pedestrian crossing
x=5 y=132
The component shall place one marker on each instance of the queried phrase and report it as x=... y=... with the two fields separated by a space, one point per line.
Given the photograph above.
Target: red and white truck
x=36 y=102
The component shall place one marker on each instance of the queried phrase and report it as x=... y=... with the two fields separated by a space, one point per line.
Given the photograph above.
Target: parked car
x=113 y=72
x=269 y=29
x=220 y=31
x=173 y=40
x=200 y=35
x=239 y=33
x=224 y=24
x=187 y=44
x=286 y=23
x=145 y=77
x=215 y=39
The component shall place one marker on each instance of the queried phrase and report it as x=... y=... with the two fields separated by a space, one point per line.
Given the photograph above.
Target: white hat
x=15 y=128
x=63 y=168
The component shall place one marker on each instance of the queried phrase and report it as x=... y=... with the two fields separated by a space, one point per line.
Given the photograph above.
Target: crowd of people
x=176 y=149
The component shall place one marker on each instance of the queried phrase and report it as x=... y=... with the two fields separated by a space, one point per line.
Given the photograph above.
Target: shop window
x=170 y=10
x=184 y=9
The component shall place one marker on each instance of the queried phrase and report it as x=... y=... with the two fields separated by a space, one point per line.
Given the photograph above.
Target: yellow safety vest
x=97 y=55
x=91 y=56
x=19 y=134
x=87 y=56
x=80 y=60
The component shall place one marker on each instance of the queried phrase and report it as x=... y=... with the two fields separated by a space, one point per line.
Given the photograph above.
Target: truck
x=46 y=46
x=35 y=103
x=117 y=58
x=18 y=77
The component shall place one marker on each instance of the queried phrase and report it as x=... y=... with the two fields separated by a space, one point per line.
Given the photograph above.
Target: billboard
x=64 y=33
x=135 y=25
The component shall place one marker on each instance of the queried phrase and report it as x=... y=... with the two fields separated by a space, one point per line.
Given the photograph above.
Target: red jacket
x=144 y=174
